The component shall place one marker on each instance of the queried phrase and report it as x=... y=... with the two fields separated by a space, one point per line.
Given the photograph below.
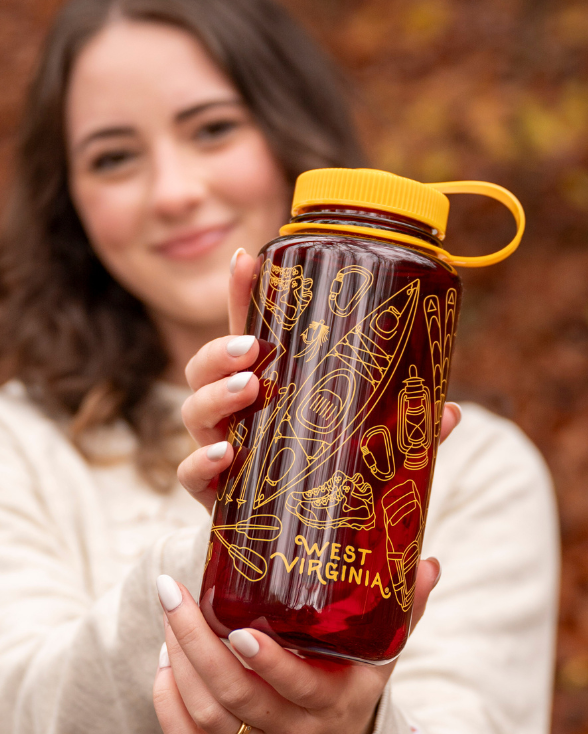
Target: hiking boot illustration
x=341 y=501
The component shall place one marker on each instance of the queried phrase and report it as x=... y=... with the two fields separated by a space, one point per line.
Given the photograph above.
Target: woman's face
x=168 y=171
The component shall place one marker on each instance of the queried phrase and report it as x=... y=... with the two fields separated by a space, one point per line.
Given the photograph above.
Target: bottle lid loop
x=493 y=191
x=380 y=190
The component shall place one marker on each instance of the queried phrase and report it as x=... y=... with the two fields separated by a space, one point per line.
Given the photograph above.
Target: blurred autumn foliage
x=455 y=89
x=498 y=91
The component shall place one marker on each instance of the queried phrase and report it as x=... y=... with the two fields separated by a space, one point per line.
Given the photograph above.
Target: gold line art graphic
x=337 y=286
x=414 y=431
x=274 y=283
x=315 y=424
x=236 y=435
x=255 y=527
x=285 y=397
x=285 y=292
x=367 y=446
x=208 y=554
x=402 y=505
x=341 y=501
x=441 y=332
x=247 y=562
x=266 y=368
x=318 y=338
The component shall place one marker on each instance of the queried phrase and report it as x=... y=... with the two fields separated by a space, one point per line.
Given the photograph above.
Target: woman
x=162 y=136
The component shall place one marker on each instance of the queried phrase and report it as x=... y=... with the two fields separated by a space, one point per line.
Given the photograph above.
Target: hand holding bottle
x=200 y=685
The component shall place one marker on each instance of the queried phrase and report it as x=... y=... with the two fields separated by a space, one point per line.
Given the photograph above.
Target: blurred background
x=454 y=89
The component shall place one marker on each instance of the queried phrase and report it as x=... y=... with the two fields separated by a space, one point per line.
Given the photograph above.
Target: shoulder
x=489 y=445
x=490 y=476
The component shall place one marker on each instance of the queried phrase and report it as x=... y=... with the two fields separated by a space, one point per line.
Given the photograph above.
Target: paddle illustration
x=246 y=561
x=253 y=527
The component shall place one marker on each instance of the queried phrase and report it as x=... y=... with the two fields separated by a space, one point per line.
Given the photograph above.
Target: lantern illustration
x=414 y=421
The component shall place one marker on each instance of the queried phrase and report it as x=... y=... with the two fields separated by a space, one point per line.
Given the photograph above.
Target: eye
x=111 y=160
x=215 y=130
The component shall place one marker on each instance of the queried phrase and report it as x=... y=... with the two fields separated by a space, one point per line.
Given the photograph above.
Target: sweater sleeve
x=481 y=659
x=71 y=661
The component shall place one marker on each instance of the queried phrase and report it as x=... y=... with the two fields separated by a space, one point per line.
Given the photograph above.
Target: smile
x=193 y=244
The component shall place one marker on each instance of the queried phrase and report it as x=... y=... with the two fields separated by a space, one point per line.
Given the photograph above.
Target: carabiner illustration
x=337 y=285
x=386 y=471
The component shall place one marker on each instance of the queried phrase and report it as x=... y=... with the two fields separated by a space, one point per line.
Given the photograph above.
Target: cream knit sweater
x=81 y=547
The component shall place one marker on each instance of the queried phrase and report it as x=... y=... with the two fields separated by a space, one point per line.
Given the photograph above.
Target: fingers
x=451 y=418
x=219 y=358
x=428 y=575
x=326 y=692
x=236 y=689
x=204 y=412
x=197 y=472
x=296 y=679
x=217 y=396
x=242 y=275
x=200 y=705
x=170 y=709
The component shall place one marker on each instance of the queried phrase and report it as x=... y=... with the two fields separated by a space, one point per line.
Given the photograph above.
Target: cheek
x=254 y=180
x=111 y=215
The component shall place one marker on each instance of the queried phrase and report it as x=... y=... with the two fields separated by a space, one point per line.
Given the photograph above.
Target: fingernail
x=457 y=411
x=163 y=657
x=169 y=592
x=244 y=643
x=237 y=382
x=233 y=262
x=216 y=451
x=434 y=560
x=240 y=345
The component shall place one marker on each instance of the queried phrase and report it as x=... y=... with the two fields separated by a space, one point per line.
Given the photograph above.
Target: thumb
x=240 y=284
x=428 y=577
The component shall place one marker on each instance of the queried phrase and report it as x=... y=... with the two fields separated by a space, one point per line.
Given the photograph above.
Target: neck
x=181 y=341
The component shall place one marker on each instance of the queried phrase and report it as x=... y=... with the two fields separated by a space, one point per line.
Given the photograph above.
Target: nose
x=177 y=186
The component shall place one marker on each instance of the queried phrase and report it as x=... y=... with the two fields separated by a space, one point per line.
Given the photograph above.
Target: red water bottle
x=319 y=520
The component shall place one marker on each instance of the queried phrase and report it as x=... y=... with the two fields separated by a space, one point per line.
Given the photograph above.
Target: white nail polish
x=244 y=643
x=233 y=262
x=237 y=382
x=240 y=345
x=216 y=451
x=169 y=592
x=163 y=657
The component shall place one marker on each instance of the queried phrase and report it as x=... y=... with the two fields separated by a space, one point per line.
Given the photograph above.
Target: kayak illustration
x=349 y=381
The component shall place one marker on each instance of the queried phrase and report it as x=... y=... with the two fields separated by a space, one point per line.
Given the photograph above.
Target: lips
x=193 y=244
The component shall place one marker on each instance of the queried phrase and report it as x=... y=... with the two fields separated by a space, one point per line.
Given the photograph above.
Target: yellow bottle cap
x=364 y=187
x=426 y=203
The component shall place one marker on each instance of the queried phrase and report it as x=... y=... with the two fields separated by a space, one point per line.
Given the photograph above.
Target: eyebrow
x=127 y=131
x=197 y=109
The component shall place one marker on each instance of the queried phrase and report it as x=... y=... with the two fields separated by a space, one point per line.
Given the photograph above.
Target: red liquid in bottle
x=319 y=520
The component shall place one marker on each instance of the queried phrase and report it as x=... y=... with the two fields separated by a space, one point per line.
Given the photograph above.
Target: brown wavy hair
x=84 y=347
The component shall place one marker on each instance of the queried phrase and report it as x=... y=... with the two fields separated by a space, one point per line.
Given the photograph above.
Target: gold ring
x=244 y=728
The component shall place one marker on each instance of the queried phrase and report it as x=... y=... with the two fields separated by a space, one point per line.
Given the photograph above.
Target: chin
x=206 y=314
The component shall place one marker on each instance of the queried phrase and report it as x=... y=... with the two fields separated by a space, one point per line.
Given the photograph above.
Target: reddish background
x=454 y=89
